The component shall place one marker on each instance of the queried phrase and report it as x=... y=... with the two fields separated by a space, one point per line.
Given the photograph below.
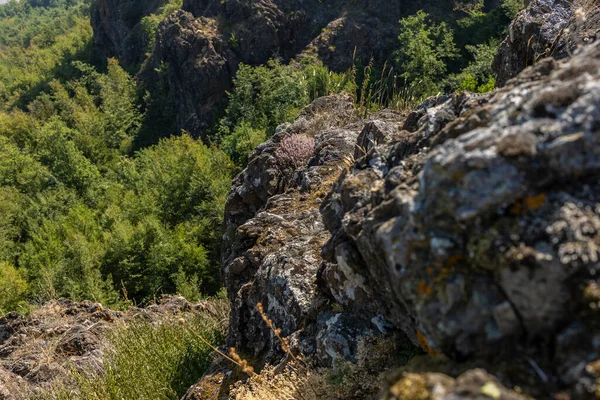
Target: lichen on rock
x=470 y=226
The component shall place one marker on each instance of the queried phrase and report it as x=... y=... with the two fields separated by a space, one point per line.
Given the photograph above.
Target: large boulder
x=471 y=226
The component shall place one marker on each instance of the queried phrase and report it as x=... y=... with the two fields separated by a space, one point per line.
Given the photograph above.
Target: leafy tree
x=477 y=76
x=64 y=256
x=121 y=115
x=11 y=205
x=242 y=141
x=265 y=96
x=425 y=48
x=67 y=164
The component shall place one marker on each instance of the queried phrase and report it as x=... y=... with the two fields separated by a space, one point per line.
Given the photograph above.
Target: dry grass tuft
x=364 y=380
x=585 y=7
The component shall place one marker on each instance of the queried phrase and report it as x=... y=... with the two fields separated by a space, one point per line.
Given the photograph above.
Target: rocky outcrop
x=117 y=29
x=546 y=28
x=474 y=384
x=275 y=231
x=469 y=227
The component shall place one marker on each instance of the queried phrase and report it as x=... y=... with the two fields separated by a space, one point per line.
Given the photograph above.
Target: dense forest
x=87 y=212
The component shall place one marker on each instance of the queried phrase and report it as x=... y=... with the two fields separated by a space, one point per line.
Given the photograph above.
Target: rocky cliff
x=468 y=228
x=118 y=31
x=201 y=45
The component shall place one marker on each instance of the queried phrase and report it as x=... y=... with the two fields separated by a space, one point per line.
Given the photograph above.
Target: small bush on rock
x=295 y=151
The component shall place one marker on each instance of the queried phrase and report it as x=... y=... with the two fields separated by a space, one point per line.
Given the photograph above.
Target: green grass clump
x=146 y=360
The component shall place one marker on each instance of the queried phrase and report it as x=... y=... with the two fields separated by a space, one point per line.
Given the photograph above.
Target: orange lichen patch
x=425 y=289
x=527 y=204
x=535 y=202
x=424 y=343
x=452 y=261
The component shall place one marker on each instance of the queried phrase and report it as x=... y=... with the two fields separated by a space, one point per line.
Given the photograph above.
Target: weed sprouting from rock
x=295 y=151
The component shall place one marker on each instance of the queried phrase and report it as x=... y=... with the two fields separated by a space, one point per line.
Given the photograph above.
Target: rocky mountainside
x=468 y=228
x=202 y=44
x=466 y=232
x=118 y=31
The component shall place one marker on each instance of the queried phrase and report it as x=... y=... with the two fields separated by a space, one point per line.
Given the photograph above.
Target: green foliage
x=477 y=76
x=242 y=141
x=94 y=205
x=431 y=61
x=268 y=95
x=480 y=27
x=147 y=360
x=150 y=22
x=265 y=96
x=63 y=258
x=13 y=288
x=173 y=203
x=512 y=7
x=80 y=215
x=37 y=44
x=121 y=117
x=424 y=50
x=187 y=286
x=65 y=161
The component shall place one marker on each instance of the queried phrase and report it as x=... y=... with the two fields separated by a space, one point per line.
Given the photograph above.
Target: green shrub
x=512 y=7
x=268 y=95
x=242 y=141
x=187 y=286
x=265 y=96
x=477 y=76
x=13 y=288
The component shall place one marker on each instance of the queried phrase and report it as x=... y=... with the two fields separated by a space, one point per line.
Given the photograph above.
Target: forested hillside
x=90 y=212
x=83 y=216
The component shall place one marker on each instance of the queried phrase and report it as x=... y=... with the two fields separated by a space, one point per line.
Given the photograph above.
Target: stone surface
x=546 y=28
x=470 y=226
x=474 y=384
x=117 y=29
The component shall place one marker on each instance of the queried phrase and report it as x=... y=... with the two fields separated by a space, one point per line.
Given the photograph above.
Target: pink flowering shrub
x=295 y=151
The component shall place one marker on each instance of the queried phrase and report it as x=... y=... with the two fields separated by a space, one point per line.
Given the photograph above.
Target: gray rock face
x=471 y=225
x=196 y=58
x=275 y=231
x=117 y=29
x=546 y=28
